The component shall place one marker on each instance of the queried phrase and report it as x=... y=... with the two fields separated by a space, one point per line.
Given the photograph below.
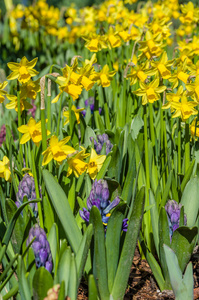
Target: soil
x=142 y=285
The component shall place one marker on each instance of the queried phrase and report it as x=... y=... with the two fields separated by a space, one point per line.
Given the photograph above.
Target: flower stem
x=19 y=122
x=59 y=115
x=36 y=185
x=146 y=150
x=179 y=146
x=187 y=147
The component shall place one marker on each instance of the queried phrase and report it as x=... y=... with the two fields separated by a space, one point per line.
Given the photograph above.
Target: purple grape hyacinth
x=99 y=196
x=2 y=134
x=173 y=213
x=41 y=248
x=27 y=188
x=101 y=140
x=90 y=102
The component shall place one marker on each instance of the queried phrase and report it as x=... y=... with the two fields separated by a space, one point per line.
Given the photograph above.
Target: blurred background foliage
x=78 y=3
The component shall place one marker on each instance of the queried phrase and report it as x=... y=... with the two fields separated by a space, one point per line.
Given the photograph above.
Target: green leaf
x=183 y=243
x=63 y=270
x=18 y=231
x=113 y=235
x=62 y=291
x=190 y=201
x=24 y=289
x=154 y=220
x=62 y=207
x=42 y=282
x=72 y=288
x=92 y=289
x=164 y=238
x=12 y=222
x=136 y=125
x=53 y=242
x=82 y=253
x=187 y=175
x=104 y=168
x=129 y=245
x=100 y=264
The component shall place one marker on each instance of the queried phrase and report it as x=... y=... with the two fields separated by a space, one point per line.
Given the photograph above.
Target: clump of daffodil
x=193 y=89
x=13 y=103
x=151 y=92
x=138 y=72
x=22 y=71
x=66 y=114
x=173 y=97
x=5 y=169
x=95 y=42
x=76 y=163
x=104 y=77
x=194 y=129
x=189 y=13
x=95 y=163
x=162 y=68
x=113 y=38
x=57 y=150
x=179 y=74
x=183 y=109
x=30 y=89
x=152 y=46
x=31 y=131
x=2 y=92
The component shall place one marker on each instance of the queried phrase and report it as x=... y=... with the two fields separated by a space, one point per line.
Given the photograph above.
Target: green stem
x=152 y=125
x=59 y=115
x=187 y=147
x=146 y=150
x=162 y=146
x=179 y=146
x=19 y=122
x=49 y=112
x=36 y=185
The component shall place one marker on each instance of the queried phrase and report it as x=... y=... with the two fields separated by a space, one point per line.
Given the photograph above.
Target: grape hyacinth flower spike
x=99 y=196
x=101 y=140
x=41 y=248
x=173 y=213
x=27 y=188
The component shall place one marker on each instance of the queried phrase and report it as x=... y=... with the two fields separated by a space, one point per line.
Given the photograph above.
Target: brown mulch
x=142 y=285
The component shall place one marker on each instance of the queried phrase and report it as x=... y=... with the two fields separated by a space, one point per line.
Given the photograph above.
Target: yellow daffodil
x=95 y=163
x=13 y=103
x=150 y=93
x=76 y=163
x=104 y=77
x=179 y=74
x=139 y=73
x=194 y=129
x=193 y=89
x=194 y=69
x=31 y=131
x=184 y=109
x=5 y=169
x=30 y=89
x=152 y=46
x=173 y=97
x=161 y=68
x=22 y=71
x=2 y=92
x=57 y=150
x=113 y=38
x=76 y=111
x=189 y=13
x=95 y=43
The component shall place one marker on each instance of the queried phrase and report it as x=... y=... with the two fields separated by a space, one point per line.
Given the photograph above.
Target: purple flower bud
x=41 y=247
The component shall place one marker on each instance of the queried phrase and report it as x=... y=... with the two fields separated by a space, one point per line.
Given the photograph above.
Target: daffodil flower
x=95 y=163
x=13 y=103
x=57 y=150
x=76 y=111
x=184 y=109
x=161 y=68
x=22 y=71
x=2 y=92
x=76 y=163
x=104 y=77
x=193 y=89
x=150 y=93
x=5 y=169
x=194 y=129
x=31 y=131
